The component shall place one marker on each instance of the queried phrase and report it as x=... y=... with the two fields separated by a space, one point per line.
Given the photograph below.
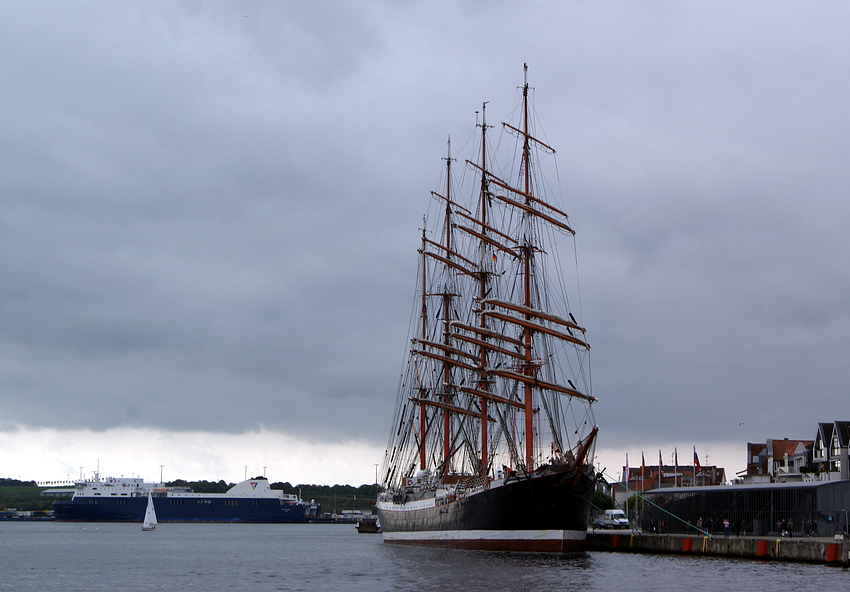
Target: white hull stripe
x=484 y=535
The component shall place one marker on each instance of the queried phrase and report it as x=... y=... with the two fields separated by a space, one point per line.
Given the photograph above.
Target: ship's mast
x=447 y=301
x=423 y=418
x=507 y=365
x=484 y=384
x=527 y=256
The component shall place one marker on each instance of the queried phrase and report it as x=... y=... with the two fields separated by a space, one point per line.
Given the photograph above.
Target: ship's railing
x=469 y=484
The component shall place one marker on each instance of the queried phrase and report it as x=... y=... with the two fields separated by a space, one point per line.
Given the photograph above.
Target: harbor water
x=38 y=556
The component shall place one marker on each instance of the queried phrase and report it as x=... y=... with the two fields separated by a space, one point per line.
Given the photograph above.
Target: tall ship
x=126 y=499
x=493 y=438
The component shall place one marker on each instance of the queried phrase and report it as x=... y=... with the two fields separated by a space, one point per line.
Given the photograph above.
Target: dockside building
x=812 y=508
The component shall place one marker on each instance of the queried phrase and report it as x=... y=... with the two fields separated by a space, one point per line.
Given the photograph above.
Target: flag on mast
x=626 y=475
x=676 y=463
x=697 y=467
x=660 y=468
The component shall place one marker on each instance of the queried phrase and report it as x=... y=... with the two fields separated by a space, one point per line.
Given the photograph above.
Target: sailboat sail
x=149 y=522
x=496 y=388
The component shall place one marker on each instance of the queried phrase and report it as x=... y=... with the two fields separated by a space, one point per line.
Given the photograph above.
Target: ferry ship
x=125 y=500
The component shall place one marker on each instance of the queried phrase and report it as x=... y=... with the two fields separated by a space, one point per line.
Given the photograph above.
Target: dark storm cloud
x=210 y=213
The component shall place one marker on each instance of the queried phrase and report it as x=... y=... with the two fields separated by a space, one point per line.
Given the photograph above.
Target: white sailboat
x=150 y=515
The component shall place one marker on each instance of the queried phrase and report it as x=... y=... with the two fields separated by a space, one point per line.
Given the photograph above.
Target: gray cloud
x=209 y=214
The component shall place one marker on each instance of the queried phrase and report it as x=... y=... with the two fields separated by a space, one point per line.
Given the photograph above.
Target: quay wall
x=816 y=550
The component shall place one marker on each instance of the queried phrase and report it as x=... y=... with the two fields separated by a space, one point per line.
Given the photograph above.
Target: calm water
x=208 y=557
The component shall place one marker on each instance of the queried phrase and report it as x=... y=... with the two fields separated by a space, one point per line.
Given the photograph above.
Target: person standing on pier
x=726 y=527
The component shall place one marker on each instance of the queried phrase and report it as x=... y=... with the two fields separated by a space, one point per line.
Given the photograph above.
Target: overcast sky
x=210 y=217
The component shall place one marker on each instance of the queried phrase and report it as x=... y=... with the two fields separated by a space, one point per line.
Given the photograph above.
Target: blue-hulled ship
x=125 y=500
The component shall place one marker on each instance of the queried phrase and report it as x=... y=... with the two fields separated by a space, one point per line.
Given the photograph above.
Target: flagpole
x=642 y=485
x=676 y=462
x=660 y=471
x=626 y=475
x=697 y=466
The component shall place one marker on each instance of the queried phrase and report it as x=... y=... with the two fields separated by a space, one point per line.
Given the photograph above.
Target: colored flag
x=697 y=467
x=676 y=461
x=660 y=467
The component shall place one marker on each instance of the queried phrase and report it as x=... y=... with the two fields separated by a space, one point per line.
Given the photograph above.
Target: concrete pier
x=811 y=549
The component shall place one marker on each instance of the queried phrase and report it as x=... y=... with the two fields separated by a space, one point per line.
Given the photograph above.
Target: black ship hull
x=545 y=512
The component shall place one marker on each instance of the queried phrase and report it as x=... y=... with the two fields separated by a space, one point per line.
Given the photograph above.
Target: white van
x=612 y=519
